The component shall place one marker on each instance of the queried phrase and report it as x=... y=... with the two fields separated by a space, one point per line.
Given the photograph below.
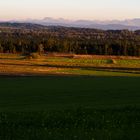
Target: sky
x=70 y=9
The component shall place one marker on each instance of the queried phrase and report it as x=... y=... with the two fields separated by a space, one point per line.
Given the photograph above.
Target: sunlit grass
x=14 y=63
x=80 y=61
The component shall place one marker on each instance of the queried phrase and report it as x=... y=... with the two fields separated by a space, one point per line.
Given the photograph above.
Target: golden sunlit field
x=60 y=64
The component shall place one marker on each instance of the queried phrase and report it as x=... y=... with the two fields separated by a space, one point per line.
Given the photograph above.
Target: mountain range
x=130 y=24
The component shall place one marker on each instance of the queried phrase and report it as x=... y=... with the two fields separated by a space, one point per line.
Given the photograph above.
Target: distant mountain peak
x=130 y=24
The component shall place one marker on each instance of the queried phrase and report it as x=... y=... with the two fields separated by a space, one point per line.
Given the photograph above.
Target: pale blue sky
x=70 y=9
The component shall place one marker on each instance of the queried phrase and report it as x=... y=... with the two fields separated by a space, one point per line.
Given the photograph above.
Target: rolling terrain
x=130 y=24
x=50 y=89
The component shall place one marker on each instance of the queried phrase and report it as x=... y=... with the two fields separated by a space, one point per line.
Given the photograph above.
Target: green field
x=69 y=98
x=54 y=92
x=69 y=108
x=18 y=65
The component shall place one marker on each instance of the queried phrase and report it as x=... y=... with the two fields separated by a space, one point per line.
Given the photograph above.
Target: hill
x=132 y=24
x=20 y=25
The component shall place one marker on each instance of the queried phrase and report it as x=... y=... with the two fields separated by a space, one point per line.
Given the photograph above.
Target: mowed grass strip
x=95 y=61
x=67 y=92
x=63 y=66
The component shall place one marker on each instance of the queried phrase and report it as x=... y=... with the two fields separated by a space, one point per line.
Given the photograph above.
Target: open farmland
x=70 y=107
x=69 y=65
x=56 y=92
x=57 y=97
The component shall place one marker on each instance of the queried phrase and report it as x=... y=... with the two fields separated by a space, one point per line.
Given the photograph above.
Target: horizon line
x=68 y=19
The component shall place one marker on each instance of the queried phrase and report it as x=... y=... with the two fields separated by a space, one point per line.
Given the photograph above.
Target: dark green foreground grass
x=70 y=108
x=47 y=93
x=80 y=124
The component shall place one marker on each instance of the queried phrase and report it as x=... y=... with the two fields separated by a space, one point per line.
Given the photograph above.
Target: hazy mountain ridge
x=20 y=25
x=132 y=24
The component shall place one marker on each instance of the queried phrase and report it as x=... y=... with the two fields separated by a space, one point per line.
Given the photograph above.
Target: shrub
x=111 y=61
x=33 y=56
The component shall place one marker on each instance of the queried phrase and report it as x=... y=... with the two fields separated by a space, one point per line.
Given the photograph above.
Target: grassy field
x=77 y=65
x=80 y=124
x=69 y=108
x=56 y=92
x=60 y=98
x=36 y=94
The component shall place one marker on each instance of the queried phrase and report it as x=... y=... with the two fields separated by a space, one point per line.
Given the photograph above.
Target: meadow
x=67 y=92
x=70 y=107
x=62 y=98
x=59 y=64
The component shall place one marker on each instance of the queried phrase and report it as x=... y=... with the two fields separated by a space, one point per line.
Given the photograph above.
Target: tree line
x=69 y=40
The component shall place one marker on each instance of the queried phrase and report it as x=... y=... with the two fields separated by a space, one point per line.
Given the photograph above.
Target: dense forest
x=26 y=38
